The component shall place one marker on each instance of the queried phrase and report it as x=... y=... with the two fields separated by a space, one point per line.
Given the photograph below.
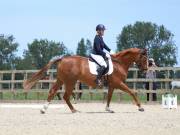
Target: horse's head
x=128 y=56
x=142 y=60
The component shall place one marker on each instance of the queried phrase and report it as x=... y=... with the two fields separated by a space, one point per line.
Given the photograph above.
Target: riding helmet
x=100 y=27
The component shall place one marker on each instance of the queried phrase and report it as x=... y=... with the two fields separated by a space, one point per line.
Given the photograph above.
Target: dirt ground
x=92 y=120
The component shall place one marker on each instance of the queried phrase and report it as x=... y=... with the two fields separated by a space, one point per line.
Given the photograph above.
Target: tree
x=81 y=49
x=84 y=49
x=24 y=63
x=8 y=47
x=41 y=51
x=88 y=47
x=156 y=39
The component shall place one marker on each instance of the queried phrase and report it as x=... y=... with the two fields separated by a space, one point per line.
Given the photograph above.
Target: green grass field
x=32 y=95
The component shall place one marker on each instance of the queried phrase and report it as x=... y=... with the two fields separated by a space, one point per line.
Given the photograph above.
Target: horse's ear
x=143 y=51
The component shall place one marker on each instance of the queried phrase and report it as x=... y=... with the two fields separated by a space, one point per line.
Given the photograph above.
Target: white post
x=169 y=101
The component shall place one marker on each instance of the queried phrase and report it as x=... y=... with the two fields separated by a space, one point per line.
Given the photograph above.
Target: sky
x=68 y=21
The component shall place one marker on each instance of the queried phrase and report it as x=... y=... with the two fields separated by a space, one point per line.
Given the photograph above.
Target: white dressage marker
x=169 y=101
x=32 y=106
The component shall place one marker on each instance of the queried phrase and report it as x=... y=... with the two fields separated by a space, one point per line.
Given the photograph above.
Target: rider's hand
x=112 y=52
x=108 y=56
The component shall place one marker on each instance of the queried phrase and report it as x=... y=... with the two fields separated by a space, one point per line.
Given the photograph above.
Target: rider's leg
x=100 y=72
x=102 y=66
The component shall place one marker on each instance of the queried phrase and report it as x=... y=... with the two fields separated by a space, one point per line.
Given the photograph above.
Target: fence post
x=167 y=83
x=150 y=89
x=50 y=78
x=12 y=80
x=161 y=86
x=1 y=78
x=1 y=93
x=120 y=96
x=25 y=75
x=105 y=94
x=12 y=84
x=38 y=86
x=91 y=93
x=134 y=77
x=76 y=92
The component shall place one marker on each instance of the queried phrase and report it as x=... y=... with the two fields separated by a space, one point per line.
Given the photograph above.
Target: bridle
x=138 y=63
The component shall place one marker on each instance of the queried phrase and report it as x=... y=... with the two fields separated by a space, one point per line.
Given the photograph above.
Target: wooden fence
x=12 y=80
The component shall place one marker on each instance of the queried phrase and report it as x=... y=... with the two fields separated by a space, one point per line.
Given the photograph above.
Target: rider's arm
x=106 y=47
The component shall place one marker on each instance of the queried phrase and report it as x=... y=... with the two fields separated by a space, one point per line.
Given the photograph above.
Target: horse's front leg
x=125 y=88
x=110 y=92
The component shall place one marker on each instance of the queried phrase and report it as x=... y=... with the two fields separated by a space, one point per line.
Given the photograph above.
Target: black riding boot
x=100 y=74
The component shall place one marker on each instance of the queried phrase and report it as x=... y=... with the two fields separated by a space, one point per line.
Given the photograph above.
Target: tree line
x=156 y=38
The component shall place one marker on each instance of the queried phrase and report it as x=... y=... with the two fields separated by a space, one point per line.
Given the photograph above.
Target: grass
x=20 y=95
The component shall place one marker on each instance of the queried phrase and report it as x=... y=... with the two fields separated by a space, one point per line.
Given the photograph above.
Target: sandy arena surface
x=92 y=120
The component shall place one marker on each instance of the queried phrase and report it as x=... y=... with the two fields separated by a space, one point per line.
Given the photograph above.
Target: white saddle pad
x=93 y=67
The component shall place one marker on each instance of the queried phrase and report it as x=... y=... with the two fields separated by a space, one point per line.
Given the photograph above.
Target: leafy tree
x=84 y=49
x=41 y=51
x=24 y=63
x=8 y=47
x=157 y=39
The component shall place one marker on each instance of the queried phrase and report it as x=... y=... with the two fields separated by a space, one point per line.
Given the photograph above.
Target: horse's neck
x=127 y=61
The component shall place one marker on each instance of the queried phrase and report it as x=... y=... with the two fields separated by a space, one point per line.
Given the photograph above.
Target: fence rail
x=12 y=80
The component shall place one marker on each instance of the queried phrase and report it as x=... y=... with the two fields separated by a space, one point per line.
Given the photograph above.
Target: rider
x=98 y=54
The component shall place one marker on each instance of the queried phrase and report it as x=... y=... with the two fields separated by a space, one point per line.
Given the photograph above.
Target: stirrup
x=99 y=82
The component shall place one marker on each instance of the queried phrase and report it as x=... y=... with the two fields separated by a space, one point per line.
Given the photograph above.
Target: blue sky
x=70 y=20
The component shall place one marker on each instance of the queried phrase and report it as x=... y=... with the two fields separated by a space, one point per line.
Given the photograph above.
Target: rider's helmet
x=100 y=27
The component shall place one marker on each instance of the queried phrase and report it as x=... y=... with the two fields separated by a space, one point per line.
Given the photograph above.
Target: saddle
x=94 y=65
x=107 y=62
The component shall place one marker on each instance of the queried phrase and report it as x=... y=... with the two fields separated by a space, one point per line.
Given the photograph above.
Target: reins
x=115 y=60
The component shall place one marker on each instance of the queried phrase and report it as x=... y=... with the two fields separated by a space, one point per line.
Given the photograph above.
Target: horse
x=175 y=84
x=73 y=68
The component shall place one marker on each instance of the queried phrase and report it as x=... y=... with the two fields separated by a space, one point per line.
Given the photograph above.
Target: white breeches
x=99 y=59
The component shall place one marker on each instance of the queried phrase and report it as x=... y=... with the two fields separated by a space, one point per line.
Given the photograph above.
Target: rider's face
x=100 y=32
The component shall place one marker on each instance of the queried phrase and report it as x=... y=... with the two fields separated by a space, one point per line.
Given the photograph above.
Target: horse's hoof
x=42 y=111
x=109 y=110
x=141 y=109
x=74 y=101
x=75 y=111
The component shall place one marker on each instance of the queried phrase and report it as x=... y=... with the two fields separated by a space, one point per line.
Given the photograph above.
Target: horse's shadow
x=99 y=112
x=106 y=112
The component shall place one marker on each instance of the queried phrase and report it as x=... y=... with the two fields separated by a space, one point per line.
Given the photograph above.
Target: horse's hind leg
x=51 y=94
x=68 y=92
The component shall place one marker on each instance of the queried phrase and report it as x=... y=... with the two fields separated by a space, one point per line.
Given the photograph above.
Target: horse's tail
x=28 y=84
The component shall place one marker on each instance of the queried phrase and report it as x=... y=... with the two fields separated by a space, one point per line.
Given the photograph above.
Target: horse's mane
x=125 y=52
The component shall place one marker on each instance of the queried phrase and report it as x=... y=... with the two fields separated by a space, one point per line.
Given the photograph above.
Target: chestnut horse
x=73 y=68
